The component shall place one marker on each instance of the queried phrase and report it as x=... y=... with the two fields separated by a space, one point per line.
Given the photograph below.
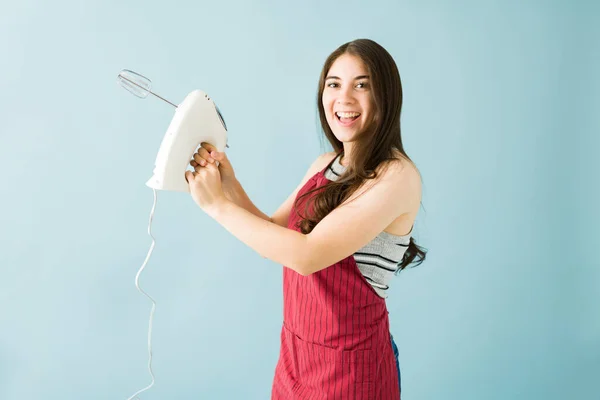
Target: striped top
x=379 y=259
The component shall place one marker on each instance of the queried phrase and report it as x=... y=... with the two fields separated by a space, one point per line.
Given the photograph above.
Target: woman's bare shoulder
x=322 y=161
x=409 y=176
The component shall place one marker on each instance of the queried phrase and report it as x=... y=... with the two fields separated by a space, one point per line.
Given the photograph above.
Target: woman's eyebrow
x=357 y=78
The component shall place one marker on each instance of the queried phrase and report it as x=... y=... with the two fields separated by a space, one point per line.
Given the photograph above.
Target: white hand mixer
x=197 y=119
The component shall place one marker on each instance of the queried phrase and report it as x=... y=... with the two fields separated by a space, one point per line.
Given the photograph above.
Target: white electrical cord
x=137 y=277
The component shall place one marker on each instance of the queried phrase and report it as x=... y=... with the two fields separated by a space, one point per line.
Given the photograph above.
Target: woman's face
x=347 y=98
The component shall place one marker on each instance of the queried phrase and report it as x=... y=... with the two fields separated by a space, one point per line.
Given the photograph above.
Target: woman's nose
x=345 y=97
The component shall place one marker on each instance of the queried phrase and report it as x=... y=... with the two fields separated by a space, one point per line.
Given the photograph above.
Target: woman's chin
x=345 y=136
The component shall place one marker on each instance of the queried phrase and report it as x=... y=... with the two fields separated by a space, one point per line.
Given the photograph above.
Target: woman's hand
x=205 y=188
x=208 y=154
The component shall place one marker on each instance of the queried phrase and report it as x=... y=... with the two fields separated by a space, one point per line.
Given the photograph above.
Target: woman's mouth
x=346 y=118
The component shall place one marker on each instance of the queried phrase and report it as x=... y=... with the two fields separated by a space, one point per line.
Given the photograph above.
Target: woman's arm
x=236 y=193
x=279 y=244
x=341 y=233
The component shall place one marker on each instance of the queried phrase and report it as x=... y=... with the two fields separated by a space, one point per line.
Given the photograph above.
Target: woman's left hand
x=205 y=187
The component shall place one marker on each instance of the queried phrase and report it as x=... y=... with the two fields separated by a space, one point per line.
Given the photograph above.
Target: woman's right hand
x=208 y=153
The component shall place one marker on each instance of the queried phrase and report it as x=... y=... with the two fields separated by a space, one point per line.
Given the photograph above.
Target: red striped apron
x=335 y=338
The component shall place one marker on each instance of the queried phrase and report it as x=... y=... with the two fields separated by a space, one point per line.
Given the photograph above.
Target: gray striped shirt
x=378 y=260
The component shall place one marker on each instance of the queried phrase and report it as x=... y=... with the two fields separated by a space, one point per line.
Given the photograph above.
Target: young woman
x=341 y=235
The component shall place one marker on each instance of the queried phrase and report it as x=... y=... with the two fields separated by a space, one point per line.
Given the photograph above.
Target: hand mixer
x=197 y=119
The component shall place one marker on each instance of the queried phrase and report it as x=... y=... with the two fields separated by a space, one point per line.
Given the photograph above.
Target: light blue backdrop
x=500 y=115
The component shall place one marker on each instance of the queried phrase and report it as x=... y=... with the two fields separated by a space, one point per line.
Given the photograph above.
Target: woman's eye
x=358 y=85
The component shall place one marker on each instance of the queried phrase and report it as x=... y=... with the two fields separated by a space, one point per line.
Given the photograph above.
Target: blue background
x=500 y=114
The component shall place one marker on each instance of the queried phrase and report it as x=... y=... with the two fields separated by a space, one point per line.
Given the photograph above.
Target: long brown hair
x=373 y=148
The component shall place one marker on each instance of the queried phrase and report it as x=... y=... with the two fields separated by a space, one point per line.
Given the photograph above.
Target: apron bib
x=335 y=338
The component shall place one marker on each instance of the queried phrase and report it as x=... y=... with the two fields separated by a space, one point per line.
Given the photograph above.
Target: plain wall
x=500 y=115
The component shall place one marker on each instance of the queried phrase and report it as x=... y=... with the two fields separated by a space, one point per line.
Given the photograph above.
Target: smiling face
x=347 y=98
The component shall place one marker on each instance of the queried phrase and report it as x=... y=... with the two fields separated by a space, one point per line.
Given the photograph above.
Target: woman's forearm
x=236 y=193
x=283 y=246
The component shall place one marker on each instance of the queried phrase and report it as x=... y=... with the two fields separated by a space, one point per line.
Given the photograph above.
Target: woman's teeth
x=347 y=118
x=347 y=115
